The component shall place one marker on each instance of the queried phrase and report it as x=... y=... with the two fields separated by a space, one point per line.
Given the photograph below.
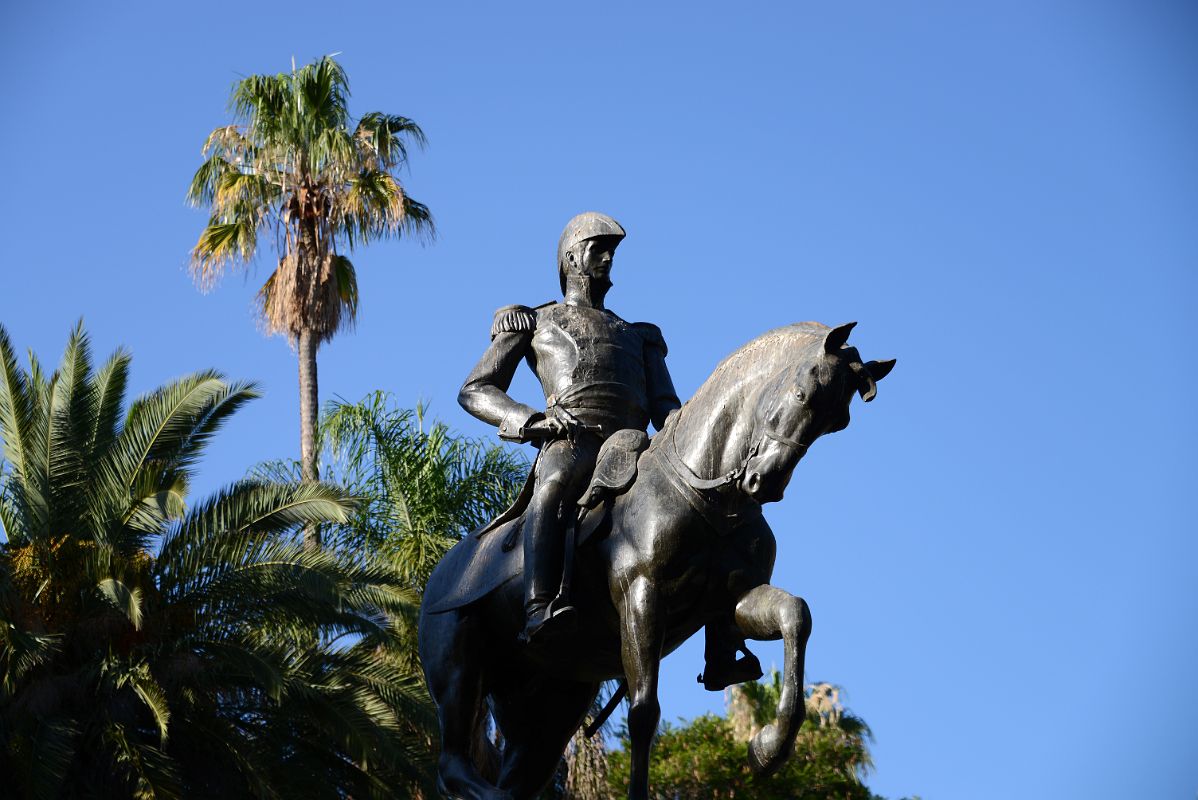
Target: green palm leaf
x=153 y=646
x=16 y=406
x=295 y=166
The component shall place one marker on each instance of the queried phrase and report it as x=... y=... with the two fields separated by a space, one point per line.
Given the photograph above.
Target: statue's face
x=592 y=258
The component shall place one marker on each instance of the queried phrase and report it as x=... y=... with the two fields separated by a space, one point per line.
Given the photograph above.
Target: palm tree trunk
x=309 y=468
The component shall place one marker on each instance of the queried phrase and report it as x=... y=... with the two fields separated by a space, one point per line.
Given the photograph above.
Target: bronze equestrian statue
x=670 y=538
x=600 y=375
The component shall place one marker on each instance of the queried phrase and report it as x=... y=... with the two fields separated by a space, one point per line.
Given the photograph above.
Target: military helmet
x=588 y=225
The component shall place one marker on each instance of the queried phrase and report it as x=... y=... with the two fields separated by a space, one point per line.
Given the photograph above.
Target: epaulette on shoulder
x=652 y=335
x=513 y=319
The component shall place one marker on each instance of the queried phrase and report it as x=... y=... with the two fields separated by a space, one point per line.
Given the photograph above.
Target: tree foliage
x=153 y=647
x=295 y=167
x=708 y=757
x=420 y=486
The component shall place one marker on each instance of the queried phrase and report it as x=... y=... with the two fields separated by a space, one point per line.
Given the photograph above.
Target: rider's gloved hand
x=549 y=427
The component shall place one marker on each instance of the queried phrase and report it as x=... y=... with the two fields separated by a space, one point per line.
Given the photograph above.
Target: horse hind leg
x=452 y=663
x=537 y=726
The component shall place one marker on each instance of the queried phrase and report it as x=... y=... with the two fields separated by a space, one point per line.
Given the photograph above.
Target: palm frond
x=239 y=192
x=152 y=696
x=347 y=288
x=122 y=598
x=221 y=530
x=294 y=164
x=169 y=428
x=226 y=240
x=417 y=220
x=110 y=383
x=17 y=407
x=204 y=184
x=73 y=405
x=149 y=773
x=23 y=651
x=233 y=663
x=421 y=488
x=382 y=139
x=41 y=754
x=322 y=90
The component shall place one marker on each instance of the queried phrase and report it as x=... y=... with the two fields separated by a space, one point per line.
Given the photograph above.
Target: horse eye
x=799 y=395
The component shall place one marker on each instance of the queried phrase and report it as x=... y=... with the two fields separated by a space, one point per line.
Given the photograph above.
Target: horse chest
x=683 y=576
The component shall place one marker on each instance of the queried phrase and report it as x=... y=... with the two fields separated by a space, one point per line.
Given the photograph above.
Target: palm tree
x=420 y=489
x=294 y=167
x=420 y=486
x=155 y=648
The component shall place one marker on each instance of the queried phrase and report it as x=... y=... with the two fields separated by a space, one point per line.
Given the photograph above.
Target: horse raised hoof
x=549 y=625
x=766 y=751
x=719 y=676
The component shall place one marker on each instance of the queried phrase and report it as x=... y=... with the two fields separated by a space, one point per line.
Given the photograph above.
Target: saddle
x=615 y=471
x=490 y=557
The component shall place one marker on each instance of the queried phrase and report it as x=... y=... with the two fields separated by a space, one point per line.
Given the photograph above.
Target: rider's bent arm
x=659 y=385
x=484 y=394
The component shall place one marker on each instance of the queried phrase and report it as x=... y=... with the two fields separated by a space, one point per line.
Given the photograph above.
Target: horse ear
x=880 y=369
x=837 y=337
x=866 y=386
x=869 y=374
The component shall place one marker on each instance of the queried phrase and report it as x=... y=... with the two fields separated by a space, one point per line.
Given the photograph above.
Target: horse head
x=808 y=397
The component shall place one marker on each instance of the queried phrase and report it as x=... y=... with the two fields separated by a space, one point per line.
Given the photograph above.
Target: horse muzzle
x=769 y=467
x=761 y=488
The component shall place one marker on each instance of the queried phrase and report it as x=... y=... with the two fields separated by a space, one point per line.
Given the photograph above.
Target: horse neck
x=714 y=429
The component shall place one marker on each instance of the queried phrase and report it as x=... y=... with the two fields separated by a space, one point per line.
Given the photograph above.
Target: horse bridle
x=793 y=444
x=708 y=484
x=705 y=494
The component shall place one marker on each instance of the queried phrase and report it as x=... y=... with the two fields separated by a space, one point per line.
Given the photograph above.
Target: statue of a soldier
x=600 y=375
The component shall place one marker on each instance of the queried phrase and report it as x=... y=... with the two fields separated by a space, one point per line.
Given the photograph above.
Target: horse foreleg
x=768 y=613
x=640 y=646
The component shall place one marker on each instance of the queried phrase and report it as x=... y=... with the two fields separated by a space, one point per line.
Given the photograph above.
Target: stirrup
x=549 y=623
x=717 y=677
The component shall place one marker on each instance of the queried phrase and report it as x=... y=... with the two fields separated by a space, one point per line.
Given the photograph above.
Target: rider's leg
x=563 y=470
x=768 y=612
x=542 y=533
x=727 y=658
x=748 y=561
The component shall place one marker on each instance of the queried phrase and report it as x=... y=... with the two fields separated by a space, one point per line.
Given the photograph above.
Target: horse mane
x=711 y=424
x=769 y=352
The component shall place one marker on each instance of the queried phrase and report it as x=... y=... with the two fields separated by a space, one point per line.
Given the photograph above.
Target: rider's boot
x=547 y=617
x=722 y=667
x=548 y=622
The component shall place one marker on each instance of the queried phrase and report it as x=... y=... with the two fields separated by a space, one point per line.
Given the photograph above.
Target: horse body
x=687 y=547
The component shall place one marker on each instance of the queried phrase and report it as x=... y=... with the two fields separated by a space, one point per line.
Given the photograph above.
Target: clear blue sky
x=999 y=552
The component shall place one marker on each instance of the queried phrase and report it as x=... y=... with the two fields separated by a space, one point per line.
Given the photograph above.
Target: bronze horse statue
x=683 y=546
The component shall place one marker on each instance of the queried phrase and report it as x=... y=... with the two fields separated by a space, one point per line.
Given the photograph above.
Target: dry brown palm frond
x=586 y=773
x=322 y=299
